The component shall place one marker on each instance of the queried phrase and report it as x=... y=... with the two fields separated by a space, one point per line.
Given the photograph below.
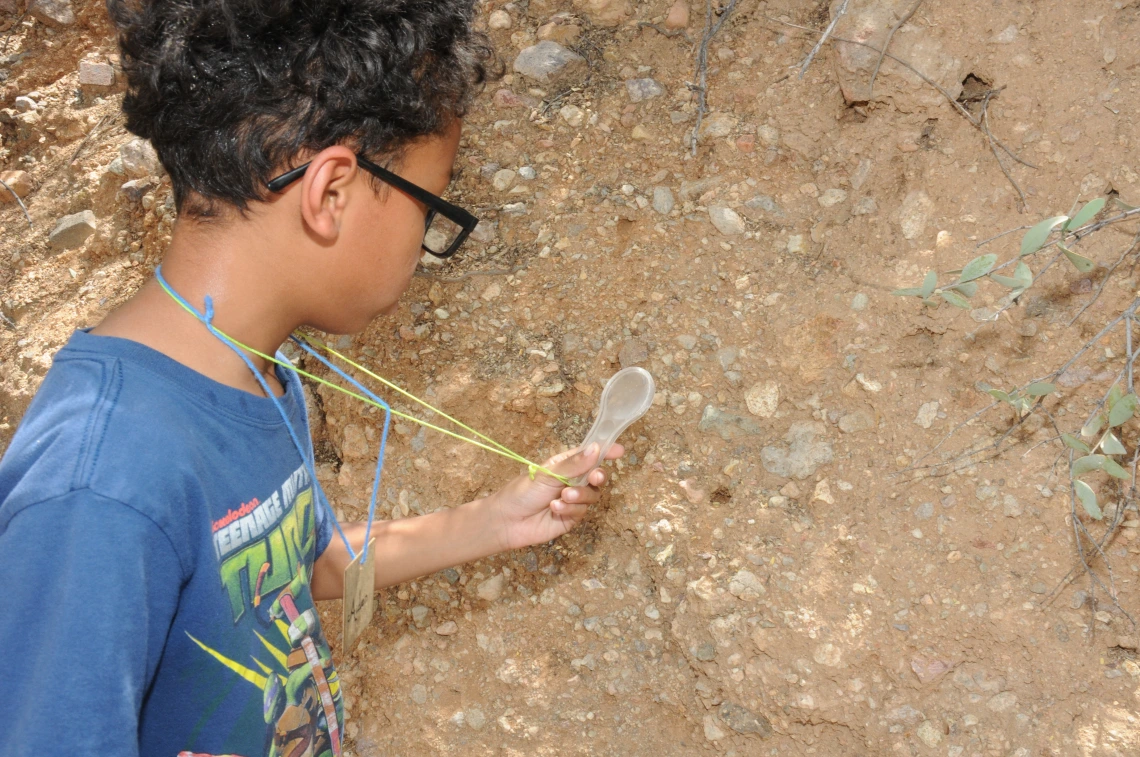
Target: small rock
x=605 y=12
x=499 y=19
x=1078 y=599
x=419 y=693
x=769 y=135
x=505 y=98
x=856 y=422
x=802 y=456
x=560 y=29
x=726 y=220
x=139 y=158
x=713 y=732
x=717 y=125
x=420 y=616
x=726 y=356
x=929 y=734
x=796 y=244
x=924 y=511
x=503 y=179
x=726 y=425
x=53 y=13
x=688 y=341
x=744 y=721
x=746 y=585
x=135 y=189
x=633 y=352
x=640 y=133
x=1040 y=588
x=96 y=74
x=916 y=210
x=643 y=89
x=829 y=655
x=19 y=182
x=475 y=718
x=831 y=197
x=927 y=414
x=859 y=302
x=705 y=652
x=763 y=399
x=549 y=63
x=1004 y=701
x=865 y=207
x=1006 y=35
x=527 y=173
x=1010 y=506
x=491 y=589
x=448 y=628
x=572 y=115
x=822 y=493
x=491 y=292
x=678 y=17
x=929 y=670
x=484 y=233
x=663 y=201
x=25 y=104
x=73 y=230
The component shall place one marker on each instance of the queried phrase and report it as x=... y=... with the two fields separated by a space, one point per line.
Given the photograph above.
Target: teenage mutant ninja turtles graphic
x=301 y=699
x=265 y=548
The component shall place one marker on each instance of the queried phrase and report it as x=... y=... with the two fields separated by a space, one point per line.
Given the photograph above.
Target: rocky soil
x=760 y=579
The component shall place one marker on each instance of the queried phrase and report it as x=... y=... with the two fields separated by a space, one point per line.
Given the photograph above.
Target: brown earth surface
x=760 y=579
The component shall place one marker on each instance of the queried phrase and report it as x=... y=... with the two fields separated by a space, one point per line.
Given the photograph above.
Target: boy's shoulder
x=129 y=424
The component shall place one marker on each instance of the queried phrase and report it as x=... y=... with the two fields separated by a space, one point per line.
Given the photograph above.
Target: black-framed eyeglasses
x=446 y=227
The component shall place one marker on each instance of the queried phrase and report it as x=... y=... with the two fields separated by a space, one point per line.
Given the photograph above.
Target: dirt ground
x=760 y=579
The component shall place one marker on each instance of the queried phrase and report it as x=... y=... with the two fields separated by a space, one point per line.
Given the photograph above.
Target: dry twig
x=985 y=119
x=468 y=274
x=887 y=45
x=826 y=33
x=702 y=86
x=23 y=207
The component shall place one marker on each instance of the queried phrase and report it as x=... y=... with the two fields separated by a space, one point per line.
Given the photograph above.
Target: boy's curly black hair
x=231 y=91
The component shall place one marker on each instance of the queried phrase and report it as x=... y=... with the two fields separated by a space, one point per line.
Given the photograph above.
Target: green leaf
x=1023 y=274
x=1083 y=465
x=1088 y=498
x=1086 y=214
x=929 y=283
x=955 y=299
x=1123 y=410
x=1080 y=262
x=1035 y=238
x=915 y=292
x=930 y=302
x=1112 y=468
x=969 y=288
x=978 y=267
x=1007 y=281
x=1073 y=442
x=998 y=395
x=1110 y=445
x=1093 y=427
x=1114 y=395
x=1123 y=205
x=1040 y=389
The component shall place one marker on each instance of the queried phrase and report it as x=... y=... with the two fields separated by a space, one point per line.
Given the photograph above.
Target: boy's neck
x=251 y=305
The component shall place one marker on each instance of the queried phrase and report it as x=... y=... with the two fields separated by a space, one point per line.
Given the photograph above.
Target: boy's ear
x=324 y=191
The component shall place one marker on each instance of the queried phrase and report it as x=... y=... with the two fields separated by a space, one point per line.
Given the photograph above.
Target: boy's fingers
x=615 y=452
x=584 y=495
x=569 y=510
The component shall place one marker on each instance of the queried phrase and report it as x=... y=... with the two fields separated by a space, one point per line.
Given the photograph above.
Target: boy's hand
x=534 y=512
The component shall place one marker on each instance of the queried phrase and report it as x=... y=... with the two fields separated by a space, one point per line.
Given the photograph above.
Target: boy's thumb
x=575 y=463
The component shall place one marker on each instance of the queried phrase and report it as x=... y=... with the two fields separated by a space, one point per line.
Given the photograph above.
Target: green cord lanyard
x=302 y=339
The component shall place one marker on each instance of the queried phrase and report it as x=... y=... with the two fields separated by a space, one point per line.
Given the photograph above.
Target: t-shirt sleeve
x=90 y=590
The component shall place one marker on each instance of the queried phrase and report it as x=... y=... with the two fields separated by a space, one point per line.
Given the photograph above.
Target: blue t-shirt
x=157 y=536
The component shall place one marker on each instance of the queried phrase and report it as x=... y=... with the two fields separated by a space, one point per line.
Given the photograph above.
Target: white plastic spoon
x=628 y=396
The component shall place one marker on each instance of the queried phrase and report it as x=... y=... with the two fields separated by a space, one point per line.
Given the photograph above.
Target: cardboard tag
x=359 y=599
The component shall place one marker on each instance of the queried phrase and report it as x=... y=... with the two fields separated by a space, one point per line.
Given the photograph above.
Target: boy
x=135 y=601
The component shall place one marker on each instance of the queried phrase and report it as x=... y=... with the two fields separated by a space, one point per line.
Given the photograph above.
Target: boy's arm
x=522 y=513
x=90 y=589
